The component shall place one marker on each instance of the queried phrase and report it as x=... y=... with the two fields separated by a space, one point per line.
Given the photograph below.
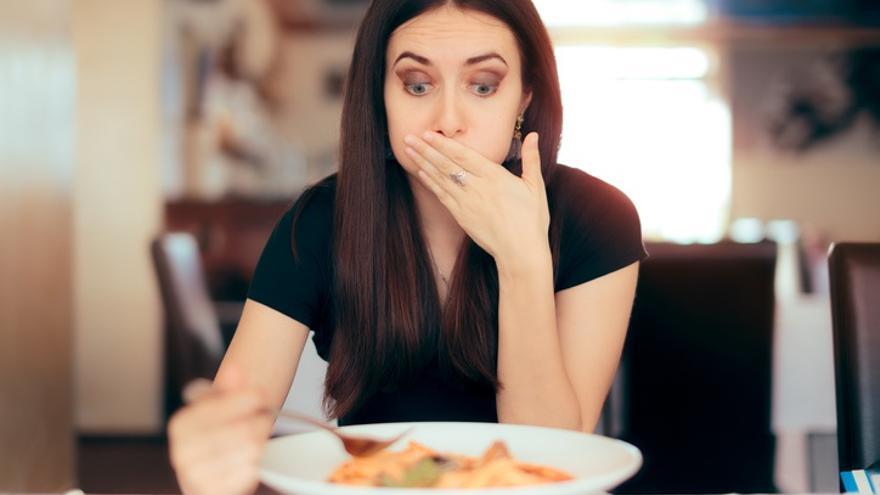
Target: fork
x=356 y=445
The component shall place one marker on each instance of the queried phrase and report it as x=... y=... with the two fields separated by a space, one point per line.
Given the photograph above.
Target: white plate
x=299 y=464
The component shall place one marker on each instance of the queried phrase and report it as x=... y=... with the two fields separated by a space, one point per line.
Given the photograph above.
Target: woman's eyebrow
x=471 y=61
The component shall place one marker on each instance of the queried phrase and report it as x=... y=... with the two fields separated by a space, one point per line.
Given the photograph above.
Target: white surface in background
x=803 y=375
x=803 y=397
x=803 y=359
x=307 y=390
x=803 y=388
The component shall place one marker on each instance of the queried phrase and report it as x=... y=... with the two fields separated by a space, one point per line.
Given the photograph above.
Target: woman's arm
x=592 y=319
x=216 y=441
x=536 y=388
x=266 y=348
x=558 y=354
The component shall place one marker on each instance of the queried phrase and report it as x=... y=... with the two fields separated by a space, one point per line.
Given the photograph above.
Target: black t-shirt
x=600 y=233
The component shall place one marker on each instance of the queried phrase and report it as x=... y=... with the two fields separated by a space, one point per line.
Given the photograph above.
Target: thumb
x=229 y=378
x=531 y=159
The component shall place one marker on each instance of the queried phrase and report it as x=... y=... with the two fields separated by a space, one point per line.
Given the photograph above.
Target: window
x=650 y=121
x=565 y=13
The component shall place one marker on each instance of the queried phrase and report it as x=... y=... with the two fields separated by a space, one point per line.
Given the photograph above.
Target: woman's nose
x=450 y=119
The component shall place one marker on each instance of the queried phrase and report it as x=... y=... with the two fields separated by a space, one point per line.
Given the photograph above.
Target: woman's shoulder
x=318 y=197
x=577 y=191
x=313 y=209
x=292 y=273
x=307 y=224
x=600 y=230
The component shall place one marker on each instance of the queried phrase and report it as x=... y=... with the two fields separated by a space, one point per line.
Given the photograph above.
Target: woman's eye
x=485 y=89
x=417 y=89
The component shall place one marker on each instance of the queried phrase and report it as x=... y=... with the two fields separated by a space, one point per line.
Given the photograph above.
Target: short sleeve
x=297 y=286
x=601 y=230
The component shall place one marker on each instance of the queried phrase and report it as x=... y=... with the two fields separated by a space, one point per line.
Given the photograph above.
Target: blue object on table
x=864 y=481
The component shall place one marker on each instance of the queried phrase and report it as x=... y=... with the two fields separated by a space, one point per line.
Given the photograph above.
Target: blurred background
x=728 y=123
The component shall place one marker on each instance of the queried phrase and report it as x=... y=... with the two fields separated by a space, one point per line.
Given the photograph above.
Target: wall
x=118 y=207
x=834 y=188
x=310 y=117
x=36 y=172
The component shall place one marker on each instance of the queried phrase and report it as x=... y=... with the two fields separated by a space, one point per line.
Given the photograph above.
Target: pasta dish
x=420 y=466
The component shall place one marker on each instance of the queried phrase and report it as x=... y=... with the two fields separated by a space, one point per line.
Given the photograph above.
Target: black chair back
x=194 y=343
x=694 y=387
x=855 y=311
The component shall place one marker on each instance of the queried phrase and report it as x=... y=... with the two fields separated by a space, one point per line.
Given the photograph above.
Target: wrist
x=525 y=262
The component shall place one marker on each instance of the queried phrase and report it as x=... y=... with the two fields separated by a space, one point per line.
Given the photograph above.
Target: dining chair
x=854 y=271
x=694 y=387
x=194 y=344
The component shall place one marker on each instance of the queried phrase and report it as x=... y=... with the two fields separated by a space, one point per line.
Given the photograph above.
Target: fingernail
x=428 y=135
x=409 y=139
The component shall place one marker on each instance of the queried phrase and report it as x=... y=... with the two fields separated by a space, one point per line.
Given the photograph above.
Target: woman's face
x=455 y=72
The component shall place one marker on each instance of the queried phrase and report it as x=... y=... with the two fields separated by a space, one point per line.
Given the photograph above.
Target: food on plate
x=419 y=466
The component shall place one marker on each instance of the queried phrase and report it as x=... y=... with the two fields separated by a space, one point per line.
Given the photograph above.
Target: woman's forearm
x=536 y=388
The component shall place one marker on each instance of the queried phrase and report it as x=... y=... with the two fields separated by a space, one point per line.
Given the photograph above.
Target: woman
x=450 y=270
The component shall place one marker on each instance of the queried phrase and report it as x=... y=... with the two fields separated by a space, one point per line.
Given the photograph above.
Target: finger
x=437 y=159
x=460 y=154
x=208 y=444
x=216 y=408
x=205 y=469
x=223 y=440
x=447 y=199
x=441 y=182
x=531 y=160
x=233 y=473
x=243 y=482
x=195 y=390
x=229 y=377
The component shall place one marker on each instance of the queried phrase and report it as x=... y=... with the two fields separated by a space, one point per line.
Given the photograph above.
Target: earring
x=516 y=142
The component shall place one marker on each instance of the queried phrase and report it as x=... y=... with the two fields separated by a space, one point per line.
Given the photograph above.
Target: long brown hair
x=388 y=319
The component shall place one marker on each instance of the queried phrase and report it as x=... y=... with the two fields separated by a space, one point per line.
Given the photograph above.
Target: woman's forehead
x=451 y=35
